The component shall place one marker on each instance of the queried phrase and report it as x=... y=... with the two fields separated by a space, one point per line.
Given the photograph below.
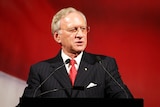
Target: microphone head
x=67 y=61
x=98 y=58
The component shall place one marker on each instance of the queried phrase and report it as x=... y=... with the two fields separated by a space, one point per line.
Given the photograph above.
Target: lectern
x=76 y=102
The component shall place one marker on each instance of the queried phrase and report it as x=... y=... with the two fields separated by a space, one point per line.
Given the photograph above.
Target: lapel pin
x=85 y=68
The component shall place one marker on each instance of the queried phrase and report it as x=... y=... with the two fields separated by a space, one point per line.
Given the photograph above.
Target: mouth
x=79 y=43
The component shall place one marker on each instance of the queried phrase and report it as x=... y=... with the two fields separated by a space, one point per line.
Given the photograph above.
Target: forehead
x=73 y=19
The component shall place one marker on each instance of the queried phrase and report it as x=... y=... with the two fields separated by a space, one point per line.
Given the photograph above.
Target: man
x=96 y=76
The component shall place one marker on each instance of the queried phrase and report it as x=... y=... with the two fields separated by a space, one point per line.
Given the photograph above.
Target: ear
x=57 y=37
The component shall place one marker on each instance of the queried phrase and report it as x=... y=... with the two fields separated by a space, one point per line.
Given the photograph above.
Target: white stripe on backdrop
x=11 y=89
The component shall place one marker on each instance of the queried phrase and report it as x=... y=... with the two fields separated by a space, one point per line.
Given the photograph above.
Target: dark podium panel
x=74 y=102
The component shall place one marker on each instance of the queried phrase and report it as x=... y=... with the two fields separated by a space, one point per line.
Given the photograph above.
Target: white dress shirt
x=77 y=59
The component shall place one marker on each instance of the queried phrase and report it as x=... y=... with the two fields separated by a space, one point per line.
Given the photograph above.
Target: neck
x=72 y=54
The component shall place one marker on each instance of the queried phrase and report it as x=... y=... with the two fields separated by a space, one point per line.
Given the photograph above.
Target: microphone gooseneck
x=66 y=62
x=100 y=62
x=49 y=91
x=80 y=88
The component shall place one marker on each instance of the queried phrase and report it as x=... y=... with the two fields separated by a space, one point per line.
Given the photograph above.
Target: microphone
x=80 y=88
x=100 y=62
x=66 y=62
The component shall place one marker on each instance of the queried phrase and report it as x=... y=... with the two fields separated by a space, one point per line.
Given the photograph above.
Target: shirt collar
x=65 y=57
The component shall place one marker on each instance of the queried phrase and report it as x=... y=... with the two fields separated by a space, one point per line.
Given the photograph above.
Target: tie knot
x=72 y=61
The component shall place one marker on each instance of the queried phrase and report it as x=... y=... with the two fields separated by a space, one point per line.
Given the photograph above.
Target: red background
x=126 y=30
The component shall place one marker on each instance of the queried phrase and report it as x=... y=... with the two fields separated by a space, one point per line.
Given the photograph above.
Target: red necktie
x=73 y=71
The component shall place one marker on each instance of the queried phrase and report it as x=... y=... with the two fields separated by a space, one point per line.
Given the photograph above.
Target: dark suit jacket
x=90 y=72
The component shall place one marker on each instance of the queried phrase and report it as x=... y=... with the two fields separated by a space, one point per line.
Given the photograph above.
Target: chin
x=78 y=51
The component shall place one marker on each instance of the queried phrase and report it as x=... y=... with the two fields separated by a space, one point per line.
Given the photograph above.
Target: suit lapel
x=63 y=78
x=61 y=74
x=84 y=72
x=85 y=69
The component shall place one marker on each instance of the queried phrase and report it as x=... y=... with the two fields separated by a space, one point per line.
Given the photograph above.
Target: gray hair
x=55 y=24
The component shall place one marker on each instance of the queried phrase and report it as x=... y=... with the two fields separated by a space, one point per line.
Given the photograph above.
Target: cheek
x=85 y=39
x=63 y=39
x=66 y=40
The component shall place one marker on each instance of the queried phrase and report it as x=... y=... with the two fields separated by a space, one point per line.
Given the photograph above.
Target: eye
x=73 y=29
x=83 y=28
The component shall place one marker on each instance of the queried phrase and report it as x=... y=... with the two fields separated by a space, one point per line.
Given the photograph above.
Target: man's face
x=73 y=33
